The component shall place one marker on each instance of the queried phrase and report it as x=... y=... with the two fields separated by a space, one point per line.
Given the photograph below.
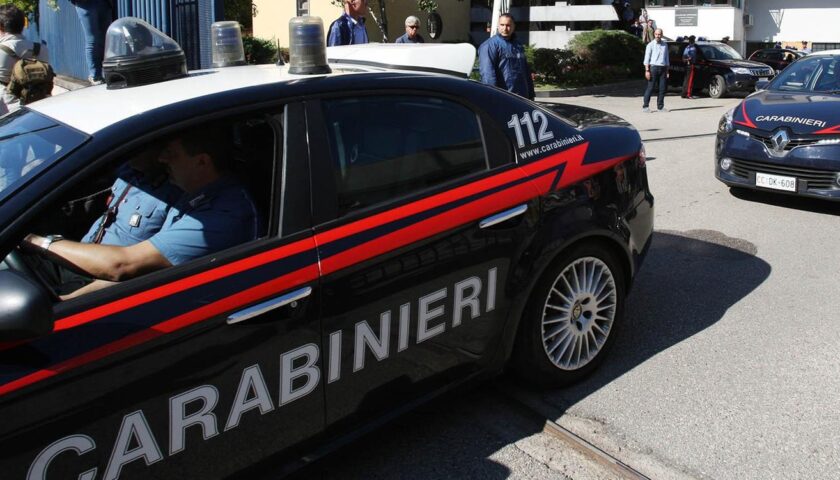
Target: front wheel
x=572 y=318
x=717 y=87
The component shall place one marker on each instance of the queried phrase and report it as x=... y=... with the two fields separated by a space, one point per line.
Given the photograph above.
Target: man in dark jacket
x=502 y=62
x=412 y=25
x=349 y=28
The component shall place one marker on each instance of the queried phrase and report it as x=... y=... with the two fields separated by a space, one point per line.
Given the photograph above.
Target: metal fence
x=186 y=21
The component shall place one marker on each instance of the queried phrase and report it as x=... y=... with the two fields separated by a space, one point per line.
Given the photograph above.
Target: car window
x=760 y=55
x=176 y=199
x=29 y=143
x=810 y=74
x=387 y=147
x=719 y=52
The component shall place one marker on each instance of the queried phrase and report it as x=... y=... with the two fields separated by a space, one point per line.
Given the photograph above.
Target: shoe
x=663 y=110
x=95 y=81
x=646 y=110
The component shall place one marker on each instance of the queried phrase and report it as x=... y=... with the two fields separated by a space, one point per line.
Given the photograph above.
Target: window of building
x=819 y=47
x=387 y=147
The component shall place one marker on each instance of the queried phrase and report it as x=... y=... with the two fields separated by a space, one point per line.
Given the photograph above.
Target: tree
x=242 y=11
x=381 y=21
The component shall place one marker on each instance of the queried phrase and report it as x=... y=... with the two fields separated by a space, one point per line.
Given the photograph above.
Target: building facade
x=272 y=18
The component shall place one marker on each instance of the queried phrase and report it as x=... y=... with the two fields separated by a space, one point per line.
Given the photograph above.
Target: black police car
x=720 y=69
x=786 y=137
x=777 y=58
x=419 y=231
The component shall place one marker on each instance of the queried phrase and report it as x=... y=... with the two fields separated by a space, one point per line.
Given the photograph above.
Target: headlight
x=741 y=70
x=725 y=125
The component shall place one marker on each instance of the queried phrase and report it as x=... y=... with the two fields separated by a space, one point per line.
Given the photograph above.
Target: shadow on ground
x=787 y=201
x=689 y=281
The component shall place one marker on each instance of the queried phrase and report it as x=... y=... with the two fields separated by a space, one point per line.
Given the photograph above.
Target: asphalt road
x=728 y=364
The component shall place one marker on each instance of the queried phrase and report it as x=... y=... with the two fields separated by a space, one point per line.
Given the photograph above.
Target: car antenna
x=279 y=54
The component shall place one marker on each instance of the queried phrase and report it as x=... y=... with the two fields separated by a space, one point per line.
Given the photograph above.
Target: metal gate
x=186 y=21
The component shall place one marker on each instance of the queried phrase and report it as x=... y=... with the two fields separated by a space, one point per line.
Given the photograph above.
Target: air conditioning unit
x=749 y=20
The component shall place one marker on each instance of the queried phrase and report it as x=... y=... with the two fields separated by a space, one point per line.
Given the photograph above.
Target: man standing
x=349 y=28
x=656 y=70
x=689 y=58
x=805 y=47
x=412 y=25
x=502 y=62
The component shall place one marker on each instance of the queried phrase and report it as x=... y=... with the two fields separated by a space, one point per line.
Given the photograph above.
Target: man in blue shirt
x=213 y=213
x=689 y=58
x=656 y=70
x=412 y=25
x=502 y=62
x=349 y=28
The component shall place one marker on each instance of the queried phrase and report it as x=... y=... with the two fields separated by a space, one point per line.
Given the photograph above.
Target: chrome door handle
x=503 y=216
x=268 y=305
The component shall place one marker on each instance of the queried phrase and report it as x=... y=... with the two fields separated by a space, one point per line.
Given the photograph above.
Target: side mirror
x=25 y=308
x=761 y=85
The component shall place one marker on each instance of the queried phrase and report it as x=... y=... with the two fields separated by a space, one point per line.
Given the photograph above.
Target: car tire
x=572 y=316
x=717 y=87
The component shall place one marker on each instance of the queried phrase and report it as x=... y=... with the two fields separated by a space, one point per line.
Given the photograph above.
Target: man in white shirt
x=11 y=28
x=656 y=70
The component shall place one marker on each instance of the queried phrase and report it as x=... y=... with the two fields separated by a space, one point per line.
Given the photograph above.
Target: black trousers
x=60 y=279
x=658 y=76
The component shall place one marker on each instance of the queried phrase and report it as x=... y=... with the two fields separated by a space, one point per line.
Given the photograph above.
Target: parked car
x=786 y=137
x=418 y=231
x=720 y=69
x=778 y=58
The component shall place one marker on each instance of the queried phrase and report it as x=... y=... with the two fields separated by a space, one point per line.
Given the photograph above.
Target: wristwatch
x=49 y=240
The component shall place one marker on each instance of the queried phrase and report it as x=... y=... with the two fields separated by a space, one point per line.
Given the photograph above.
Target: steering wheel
x=14 y=260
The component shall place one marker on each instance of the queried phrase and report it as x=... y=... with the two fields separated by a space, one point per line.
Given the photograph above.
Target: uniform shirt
x=502 y=63
x=220 y=216
x=406 y=39
x=346 y=30
x=140 y=213
x=657 y=54
x=690 y=53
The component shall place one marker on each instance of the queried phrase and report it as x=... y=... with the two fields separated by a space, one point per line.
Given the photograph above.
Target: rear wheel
x=717 y=87
x=572 y=318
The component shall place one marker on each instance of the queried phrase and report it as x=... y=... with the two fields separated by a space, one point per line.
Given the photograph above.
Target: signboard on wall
x=685 y=17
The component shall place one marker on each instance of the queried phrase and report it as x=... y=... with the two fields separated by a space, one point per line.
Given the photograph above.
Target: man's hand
x=647 y=74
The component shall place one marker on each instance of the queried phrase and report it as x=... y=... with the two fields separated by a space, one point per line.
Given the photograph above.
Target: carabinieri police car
x=786 y=137
x=412 y=231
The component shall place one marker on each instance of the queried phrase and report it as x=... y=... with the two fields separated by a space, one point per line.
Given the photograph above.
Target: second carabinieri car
x=786 y=137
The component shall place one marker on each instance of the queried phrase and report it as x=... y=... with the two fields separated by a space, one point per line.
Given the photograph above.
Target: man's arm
x=106 y=262
x=334 y=35
x=646 y=61
x=486 y=65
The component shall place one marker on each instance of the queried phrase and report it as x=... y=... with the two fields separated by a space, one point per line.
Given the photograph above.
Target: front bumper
x=815 y=168
x=742 y=83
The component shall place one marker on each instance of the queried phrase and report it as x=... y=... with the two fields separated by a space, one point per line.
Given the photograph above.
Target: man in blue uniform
x=656 y=71
x=689 y=58
x=502 y=62
x=213 y=213
x=412 y=25
x=349 y=28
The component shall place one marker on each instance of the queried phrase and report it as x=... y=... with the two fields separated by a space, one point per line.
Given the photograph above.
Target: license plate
x=762 y=79
x=776 y=182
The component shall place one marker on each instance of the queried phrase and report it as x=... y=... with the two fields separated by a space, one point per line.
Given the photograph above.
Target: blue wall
x=187 y=21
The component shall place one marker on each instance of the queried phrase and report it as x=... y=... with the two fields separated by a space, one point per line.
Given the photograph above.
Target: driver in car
x=212 y=213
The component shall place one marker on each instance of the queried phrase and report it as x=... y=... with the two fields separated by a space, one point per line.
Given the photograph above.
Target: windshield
x=719 y=52
x=29 y=142
x=810 y=74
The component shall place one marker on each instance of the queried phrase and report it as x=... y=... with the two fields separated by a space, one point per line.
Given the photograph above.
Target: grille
x=814 y=178
x=761 y=72
x=794 y=142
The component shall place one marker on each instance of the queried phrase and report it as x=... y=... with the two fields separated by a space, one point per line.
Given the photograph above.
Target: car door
x=418 y=225
x=195 y=371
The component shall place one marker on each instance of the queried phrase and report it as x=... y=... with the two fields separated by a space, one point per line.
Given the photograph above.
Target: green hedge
x=608 y=47
x=259 y=50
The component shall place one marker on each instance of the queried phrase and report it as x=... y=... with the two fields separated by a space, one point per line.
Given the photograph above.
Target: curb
x=69 y=83
x=593 y=89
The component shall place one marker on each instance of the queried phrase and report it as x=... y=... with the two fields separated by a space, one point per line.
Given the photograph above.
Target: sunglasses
x=411 y=26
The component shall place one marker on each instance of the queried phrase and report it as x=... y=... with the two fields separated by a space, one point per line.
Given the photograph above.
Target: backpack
x=31 y=79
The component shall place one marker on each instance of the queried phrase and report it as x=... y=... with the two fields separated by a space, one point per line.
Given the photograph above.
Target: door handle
x=503 y=216
x=268 y=305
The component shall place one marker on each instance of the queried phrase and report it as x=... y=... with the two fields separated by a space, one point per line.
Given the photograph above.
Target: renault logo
x=780 y=140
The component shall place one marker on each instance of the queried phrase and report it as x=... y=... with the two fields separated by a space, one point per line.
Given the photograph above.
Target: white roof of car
x=91 y=109
x=825 y=52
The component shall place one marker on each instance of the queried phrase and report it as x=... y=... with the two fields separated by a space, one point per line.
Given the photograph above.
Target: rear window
x=29 y=142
